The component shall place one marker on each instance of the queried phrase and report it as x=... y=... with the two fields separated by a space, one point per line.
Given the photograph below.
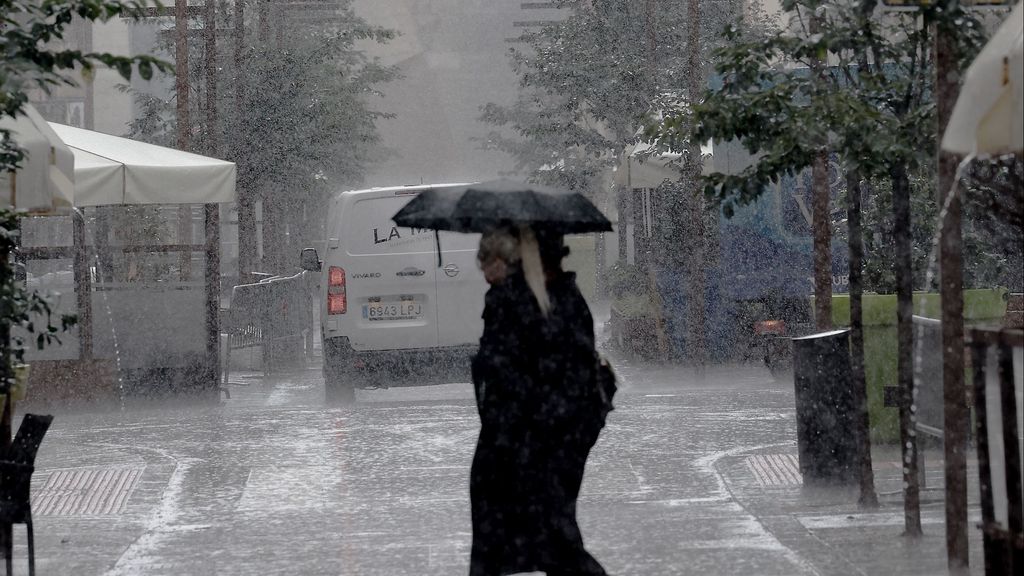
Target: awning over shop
x=110 y=170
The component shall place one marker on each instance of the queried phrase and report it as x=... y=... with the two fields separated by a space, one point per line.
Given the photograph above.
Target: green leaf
x=124 y=68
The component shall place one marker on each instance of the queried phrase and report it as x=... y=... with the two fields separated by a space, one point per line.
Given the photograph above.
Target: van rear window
x=369 y=229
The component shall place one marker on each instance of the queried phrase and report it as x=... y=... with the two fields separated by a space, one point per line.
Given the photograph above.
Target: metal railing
x=271 y=314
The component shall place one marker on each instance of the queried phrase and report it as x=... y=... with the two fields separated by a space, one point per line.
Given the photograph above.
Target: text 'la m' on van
x=391 y=311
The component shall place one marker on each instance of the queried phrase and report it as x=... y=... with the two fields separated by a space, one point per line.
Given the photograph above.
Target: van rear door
x=460 y=291
x=390 y=277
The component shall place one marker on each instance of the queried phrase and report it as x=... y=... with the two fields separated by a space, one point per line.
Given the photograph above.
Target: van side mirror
x=310 y=260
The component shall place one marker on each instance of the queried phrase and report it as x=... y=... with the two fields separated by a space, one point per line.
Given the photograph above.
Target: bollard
x=825 y=409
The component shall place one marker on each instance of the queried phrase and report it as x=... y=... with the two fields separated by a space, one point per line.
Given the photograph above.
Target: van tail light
x=337 y=299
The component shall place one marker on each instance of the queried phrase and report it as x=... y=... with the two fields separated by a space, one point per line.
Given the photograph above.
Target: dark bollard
x=826 y=421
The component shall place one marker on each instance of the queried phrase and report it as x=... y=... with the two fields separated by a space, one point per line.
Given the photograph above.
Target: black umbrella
x=484 y=206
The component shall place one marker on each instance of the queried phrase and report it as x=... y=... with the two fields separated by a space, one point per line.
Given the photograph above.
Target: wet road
x=272 y=482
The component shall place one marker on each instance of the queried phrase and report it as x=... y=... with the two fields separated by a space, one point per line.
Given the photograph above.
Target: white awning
x=110 y=170
x=988 y=117
x=43 y=183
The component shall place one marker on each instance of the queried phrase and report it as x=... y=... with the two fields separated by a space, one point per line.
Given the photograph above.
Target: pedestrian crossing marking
x=775 y=469
x=86 y=491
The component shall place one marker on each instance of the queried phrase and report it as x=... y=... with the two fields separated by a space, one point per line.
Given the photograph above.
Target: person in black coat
x=539 y=411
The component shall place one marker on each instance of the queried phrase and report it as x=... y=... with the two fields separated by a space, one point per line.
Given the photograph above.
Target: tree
x=307 y=105
x=588 y=82
x=584 y=88
x=306 y=102
x=30 y=32
x=872 y=105
x=994 y=225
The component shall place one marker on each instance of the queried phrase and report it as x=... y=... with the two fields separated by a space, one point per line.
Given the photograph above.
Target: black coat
x=540 y=414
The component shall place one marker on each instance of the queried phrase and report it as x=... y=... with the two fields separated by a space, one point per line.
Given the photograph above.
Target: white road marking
x=135 y=559
x=752 y=534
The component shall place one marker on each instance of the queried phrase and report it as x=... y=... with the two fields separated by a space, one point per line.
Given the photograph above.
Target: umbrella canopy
x=110 y=170
x=988 y=118
x=481 y=207
x=44 y=181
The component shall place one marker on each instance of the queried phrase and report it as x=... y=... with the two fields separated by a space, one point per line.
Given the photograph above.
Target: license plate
x=393 y=310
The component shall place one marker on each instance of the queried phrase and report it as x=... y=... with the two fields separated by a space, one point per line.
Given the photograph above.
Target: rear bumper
x=405 y=367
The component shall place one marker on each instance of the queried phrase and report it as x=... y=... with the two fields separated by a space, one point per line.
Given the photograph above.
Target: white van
x=391 y=312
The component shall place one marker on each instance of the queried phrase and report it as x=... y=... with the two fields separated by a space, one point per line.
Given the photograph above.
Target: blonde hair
x=533 y=268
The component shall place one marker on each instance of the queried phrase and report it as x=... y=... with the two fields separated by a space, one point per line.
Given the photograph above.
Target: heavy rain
x=487 y=287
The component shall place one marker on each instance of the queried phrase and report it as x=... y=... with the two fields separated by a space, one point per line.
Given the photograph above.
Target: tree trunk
x=210 y=40
x=650 y=10
x=698 y=224
x=641 y=240
x=623 y=210
x=821 y=228
x=271 y=235
x=181 y=72
x=264 y=20
x=246 y=191
x=956 y=414
x=903 y=270
x=184 y=123
x=246 y=235
x=868 y=497
x=822 y=231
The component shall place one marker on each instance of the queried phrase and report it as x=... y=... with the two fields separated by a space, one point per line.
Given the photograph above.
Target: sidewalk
x=827 y=527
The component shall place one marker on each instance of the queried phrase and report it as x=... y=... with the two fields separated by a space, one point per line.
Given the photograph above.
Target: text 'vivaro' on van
x=390 y=312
